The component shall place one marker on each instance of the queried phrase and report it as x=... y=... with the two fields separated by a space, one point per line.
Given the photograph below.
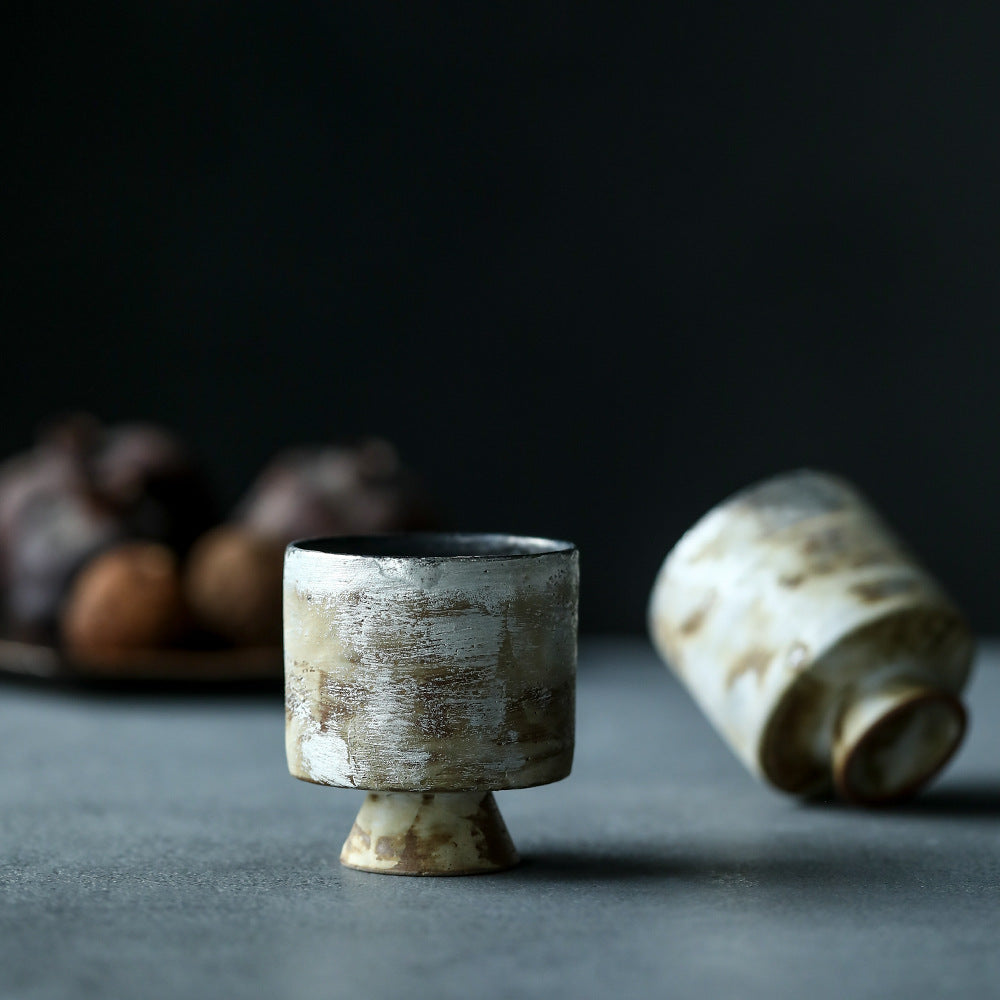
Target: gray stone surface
x=156 y=847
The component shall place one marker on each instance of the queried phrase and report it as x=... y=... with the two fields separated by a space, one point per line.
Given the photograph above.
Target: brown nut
x=129 y=597
x=233 y=585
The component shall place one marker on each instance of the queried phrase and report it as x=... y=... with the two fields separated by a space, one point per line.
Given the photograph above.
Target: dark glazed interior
x=433 y=545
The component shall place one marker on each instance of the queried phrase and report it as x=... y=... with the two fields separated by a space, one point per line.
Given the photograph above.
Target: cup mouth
x=435 y=545
x=866 y=772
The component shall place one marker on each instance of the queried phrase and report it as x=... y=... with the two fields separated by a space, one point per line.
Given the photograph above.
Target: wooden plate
x=187 y=667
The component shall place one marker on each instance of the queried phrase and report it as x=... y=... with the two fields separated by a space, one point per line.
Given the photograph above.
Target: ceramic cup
x=817 y=645
x=431 y=670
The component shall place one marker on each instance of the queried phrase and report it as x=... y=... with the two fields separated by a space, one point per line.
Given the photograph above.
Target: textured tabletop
x=156 y=847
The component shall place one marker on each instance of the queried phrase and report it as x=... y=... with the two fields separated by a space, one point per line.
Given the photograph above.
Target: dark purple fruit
x=335 y=490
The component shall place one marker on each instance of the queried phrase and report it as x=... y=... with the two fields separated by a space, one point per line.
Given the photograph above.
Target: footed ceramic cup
x=431 y=670
x=817 y=645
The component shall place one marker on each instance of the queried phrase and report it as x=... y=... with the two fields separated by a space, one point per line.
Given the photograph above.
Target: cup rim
x=435 y=546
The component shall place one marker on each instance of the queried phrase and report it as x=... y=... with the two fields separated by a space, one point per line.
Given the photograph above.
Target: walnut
x=129 y=597
x=232 y=582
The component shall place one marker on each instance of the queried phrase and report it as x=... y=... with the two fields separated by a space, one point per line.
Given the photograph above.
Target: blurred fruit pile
x=110 y=540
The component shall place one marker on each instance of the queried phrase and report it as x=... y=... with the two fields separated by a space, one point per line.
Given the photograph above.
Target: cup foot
x=444 y=833
x=893 y=741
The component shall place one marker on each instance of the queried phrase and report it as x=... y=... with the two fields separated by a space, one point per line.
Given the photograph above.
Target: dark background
x=591 y=267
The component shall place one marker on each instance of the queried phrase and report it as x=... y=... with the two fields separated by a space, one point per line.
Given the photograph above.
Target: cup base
x=894 y=741
x=442 y=833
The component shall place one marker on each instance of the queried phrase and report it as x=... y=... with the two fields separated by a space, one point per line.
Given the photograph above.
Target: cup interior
x=436 y=545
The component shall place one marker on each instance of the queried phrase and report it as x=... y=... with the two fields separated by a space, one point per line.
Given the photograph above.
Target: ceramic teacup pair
x=432 y=670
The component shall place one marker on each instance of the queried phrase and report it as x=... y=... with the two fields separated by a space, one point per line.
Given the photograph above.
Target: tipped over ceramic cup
x=821 y=650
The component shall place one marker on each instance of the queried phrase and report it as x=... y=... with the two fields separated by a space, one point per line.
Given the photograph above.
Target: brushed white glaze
x=440 y=673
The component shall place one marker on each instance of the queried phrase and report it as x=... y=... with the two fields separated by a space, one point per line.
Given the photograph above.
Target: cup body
x=788 y=606
x=431 y=663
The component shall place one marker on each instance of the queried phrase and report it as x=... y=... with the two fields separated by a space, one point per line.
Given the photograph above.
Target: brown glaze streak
x=529 y=717
x=413 y=854
x=362 y=836
x=712 y=549
x=754 y=661
x=833 y=548
x=418 y=853
x=879 y=590
x=829 y=540
x=493 y=841
x=696 y=619
x=339 y=702
x=424 y=606
x=385 y=848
